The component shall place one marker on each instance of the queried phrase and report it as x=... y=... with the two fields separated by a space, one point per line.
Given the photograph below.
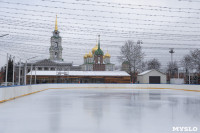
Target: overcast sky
x=160 y=24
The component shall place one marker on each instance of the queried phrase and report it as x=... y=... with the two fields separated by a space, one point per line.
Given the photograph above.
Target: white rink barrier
x=195 y=88
x=9 y=93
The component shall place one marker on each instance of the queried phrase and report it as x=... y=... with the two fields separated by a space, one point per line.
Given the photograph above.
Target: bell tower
x=98 y=58
x=55 y=49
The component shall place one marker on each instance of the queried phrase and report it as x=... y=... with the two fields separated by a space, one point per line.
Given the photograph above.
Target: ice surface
x=101 y=111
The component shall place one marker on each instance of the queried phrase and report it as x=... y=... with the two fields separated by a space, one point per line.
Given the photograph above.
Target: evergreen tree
x=10 y=70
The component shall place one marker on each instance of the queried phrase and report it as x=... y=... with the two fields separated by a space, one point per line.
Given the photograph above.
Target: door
x=154 y=79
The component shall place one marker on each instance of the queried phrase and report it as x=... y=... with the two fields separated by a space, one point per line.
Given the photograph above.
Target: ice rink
x=101 y=111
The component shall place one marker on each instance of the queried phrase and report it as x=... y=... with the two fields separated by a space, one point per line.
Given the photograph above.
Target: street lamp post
x=25 y=69
x=35 y=75
x=25 y=73
x=31 y=73
x=19 y=72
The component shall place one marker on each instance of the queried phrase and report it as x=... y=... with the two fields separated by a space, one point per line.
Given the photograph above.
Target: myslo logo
x=184 y=129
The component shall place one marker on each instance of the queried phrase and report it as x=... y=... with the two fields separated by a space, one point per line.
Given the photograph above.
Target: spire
x=99 y=51
x=56 y=26
x=98 y=41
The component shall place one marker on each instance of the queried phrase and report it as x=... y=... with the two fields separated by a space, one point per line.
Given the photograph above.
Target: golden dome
x=94 y=49
x=86 y=55
x=107 y=55
x=90 y=55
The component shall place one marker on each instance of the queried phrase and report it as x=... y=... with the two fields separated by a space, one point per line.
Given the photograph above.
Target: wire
x=101 y=11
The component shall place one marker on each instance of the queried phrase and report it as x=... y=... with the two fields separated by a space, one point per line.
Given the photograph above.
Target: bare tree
x=172 y=68
x=154 y=64
x=144 y=66
x=195 y=59
x=186 y=62
x=133 y=55
x=191 y=61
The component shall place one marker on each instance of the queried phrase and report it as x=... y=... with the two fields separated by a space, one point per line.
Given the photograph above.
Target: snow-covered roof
x=48 y=62
x=80 y=73
x=145 y=72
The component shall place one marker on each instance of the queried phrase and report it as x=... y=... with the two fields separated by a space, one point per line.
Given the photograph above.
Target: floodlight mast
x=171 y=52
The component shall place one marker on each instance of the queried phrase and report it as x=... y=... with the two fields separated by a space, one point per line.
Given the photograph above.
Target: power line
x=98 y=25
x=80 y=29
x=105 y=17
x=101 y=11
x=120 y=4
x=104 y=21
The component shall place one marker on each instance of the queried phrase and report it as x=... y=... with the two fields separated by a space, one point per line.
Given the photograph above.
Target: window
x=98 y=60
x=53 y=69
x=56 y=44
x=46 y=68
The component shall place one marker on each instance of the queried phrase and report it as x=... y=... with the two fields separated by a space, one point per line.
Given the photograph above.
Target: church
x=55 y=61
x=96 y=60
x=97 y=67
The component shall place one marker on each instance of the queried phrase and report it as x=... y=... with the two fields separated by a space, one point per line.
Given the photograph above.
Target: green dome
x=98 y=52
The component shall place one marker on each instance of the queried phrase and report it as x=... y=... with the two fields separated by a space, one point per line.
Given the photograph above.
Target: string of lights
x=106 y=21
x=78 y=29
x=123 y=4
x=159 y=27
x=104 y=17
x=100 y=11
x=124 y=28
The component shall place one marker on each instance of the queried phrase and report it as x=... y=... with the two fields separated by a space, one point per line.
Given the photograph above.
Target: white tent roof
x=80 y=73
